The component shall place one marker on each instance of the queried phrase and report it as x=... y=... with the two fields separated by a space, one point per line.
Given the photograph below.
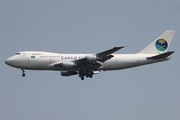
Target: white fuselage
x=85 y=65
x=35 y=60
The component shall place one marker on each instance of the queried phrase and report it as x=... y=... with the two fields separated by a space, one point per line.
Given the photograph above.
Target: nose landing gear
x=23 y=73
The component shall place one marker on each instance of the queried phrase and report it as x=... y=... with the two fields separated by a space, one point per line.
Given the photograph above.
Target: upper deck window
x=17 y=53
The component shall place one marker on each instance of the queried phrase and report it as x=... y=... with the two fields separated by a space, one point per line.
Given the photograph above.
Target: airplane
x=86 y=65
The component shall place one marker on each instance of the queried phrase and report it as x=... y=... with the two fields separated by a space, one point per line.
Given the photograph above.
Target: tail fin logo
x=161 y=44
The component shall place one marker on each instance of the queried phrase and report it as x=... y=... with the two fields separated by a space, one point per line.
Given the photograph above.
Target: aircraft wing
x=110 y=51
x=93 y=66
x=90 y=62
x=102 y=56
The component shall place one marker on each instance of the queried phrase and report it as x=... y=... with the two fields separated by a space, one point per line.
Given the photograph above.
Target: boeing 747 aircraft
x=90 y=64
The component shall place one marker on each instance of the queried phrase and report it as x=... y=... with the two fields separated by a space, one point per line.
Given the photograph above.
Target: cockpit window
x=17 y=53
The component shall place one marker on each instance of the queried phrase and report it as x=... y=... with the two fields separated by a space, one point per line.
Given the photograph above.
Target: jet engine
x=91 y=58
x=68 y=73
x=68 y=64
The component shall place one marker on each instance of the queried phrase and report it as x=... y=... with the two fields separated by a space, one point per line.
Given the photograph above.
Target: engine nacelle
x=68 y=64
x=68 y=73
x=91 y=58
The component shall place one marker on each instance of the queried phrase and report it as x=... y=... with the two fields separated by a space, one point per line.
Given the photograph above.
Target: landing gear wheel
x=23 y=74
x=91 y=76
x=82 y=78
x=81 y=75
x=87 y=75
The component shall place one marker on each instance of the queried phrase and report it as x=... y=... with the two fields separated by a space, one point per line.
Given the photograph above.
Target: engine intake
x=91 y=58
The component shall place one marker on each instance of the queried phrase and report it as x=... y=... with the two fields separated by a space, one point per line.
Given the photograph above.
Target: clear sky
x=89 y=26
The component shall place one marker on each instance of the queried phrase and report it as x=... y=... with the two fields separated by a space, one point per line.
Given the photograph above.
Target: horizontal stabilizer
x=161 y=56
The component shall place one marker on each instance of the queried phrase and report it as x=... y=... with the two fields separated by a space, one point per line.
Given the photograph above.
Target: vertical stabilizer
x=159 y=45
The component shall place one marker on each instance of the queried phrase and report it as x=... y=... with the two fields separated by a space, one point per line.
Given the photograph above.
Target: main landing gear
x=85 y=73
x=23 y=73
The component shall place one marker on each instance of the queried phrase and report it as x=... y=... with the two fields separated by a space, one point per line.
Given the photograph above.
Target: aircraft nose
x=9 y=61
x=6 y=61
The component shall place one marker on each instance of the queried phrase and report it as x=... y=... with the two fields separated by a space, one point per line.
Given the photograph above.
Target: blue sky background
x=79 y=26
